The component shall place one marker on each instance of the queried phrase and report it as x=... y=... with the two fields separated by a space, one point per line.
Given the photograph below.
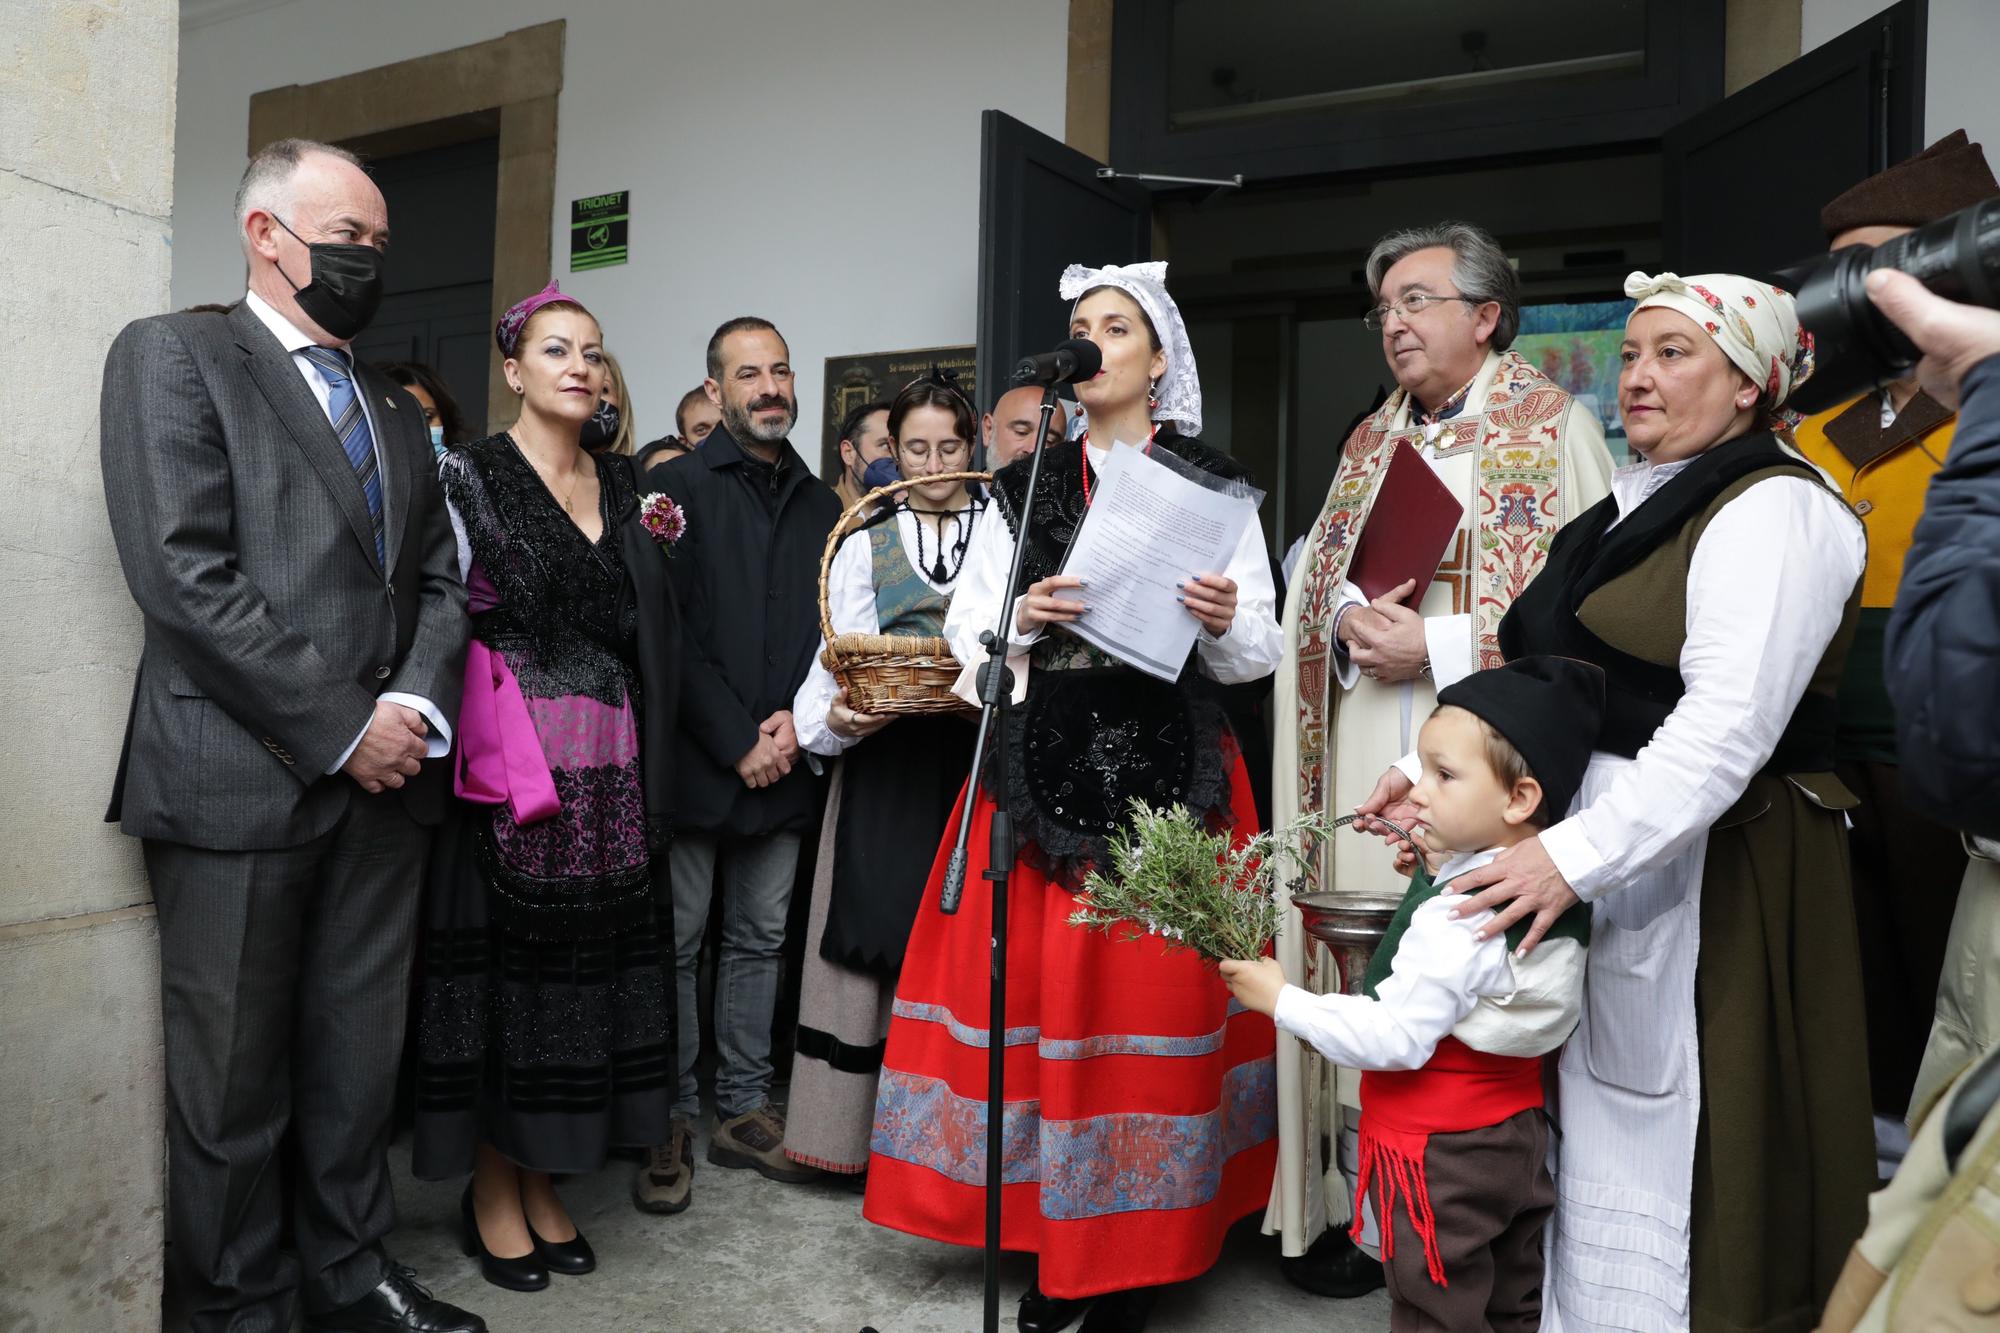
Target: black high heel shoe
x=527 y=1273
x=1121 y=1311
x=1041 y=1313
x=571 y=1258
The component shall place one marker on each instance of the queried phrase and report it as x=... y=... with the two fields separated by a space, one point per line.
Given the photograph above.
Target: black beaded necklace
x=962 y=525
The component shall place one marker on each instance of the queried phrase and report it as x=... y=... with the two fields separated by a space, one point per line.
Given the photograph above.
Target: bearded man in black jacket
x=747 y=575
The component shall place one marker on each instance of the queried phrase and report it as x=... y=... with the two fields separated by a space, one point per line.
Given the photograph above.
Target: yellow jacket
x=1884 y=475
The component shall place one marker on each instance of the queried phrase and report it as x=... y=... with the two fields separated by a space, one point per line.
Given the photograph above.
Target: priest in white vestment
x=1359 y=678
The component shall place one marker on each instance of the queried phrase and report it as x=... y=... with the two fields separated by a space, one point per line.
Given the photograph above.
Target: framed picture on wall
x=877 y=377
x=1575 y=343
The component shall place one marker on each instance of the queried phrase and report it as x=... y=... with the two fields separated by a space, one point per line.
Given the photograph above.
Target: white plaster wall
x=816 y=163
x=86 y=143
x=1963 y=43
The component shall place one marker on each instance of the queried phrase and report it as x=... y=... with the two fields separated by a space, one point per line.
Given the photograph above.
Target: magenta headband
x=507 y=332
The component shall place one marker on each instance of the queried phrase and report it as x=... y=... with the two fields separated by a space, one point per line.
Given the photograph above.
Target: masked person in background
x=864 y=441
x=441 y=415
x=1884 y=448
x=609 y=429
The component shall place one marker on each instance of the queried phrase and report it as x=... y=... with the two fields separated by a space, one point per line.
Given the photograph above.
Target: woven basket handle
x=853 y=518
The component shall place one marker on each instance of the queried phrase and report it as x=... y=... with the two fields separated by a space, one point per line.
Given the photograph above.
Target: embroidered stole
x=1515 y=423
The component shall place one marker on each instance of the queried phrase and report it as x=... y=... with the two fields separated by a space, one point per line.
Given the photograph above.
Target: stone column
x=86 y=187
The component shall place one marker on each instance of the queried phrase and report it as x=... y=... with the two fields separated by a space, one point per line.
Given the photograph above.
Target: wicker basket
x=894 y=674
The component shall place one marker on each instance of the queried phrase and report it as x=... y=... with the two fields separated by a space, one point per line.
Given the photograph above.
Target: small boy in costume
x=1451 y=1030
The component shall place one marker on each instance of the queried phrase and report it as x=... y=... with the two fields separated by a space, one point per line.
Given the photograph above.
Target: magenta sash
x=500 y=755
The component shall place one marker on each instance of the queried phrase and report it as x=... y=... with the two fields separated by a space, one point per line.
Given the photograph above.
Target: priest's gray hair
x=1480 y=271
x=267 y=180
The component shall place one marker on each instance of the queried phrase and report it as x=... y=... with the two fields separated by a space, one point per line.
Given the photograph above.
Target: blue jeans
x=756 y=889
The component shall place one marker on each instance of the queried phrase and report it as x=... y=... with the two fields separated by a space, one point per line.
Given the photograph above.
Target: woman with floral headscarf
x=1140 y=1115
x=1714 y=1103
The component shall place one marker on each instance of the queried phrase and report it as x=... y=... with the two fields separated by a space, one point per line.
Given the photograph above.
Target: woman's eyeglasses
x=952 y=452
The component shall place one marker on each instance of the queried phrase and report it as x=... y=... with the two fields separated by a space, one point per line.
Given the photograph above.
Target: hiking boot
x=665 y=1182
x=756 y=1140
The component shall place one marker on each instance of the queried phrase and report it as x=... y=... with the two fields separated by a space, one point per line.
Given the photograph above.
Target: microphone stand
x=996 y=687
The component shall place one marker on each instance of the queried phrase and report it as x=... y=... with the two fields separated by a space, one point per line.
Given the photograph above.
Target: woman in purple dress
x=547 y=995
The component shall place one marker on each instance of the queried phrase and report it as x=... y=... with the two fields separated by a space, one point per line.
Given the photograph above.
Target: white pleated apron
x=1629 y=1103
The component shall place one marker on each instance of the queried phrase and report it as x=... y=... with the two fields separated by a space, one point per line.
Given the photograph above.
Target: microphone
x=1077 y=359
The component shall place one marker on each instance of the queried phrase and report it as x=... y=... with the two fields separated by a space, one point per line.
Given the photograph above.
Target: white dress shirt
x=1444 y=982
x=438 y=743
x=1766 y=590
x=1249 y=651
x=850 y=599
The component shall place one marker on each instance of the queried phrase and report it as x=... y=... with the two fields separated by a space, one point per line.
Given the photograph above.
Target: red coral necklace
x=1084 y=441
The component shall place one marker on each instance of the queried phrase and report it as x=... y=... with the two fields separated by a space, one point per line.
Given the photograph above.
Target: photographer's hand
x=1953 y=338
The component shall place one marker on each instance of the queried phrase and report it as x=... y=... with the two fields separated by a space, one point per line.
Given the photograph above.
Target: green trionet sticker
x=597 y=230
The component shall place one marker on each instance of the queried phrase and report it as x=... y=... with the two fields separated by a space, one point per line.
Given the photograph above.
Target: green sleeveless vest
x=1573 y=924
x=904 y=603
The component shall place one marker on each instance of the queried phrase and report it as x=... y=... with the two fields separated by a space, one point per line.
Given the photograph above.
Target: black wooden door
x=1745 y=179
x=1041 y=208
x=438 y=284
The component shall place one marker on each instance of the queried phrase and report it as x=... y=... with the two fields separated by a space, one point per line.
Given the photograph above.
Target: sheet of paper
x=1148 y=529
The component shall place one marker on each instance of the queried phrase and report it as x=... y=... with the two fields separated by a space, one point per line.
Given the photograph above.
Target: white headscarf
x=1180 y=388
x=1755 y=324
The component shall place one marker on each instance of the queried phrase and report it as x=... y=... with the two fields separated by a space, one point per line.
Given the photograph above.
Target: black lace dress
x=546 y=998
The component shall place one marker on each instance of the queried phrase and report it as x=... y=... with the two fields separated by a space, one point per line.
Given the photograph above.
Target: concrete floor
x=750 y=1256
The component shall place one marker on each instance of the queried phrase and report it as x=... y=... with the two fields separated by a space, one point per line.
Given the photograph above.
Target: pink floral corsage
x=663 y=518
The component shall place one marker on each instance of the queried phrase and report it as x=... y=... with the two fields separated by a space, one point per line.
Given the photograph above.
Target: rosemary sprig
x=1193 y=887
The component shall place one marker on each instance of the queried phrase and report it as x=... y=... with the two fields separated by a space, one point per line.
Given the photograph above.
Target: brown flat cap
x=1949 y=175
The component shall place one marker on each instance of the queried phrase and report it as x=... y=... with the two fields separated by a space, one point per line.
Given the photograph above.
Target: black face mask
x=602 y=428
x=346 y=286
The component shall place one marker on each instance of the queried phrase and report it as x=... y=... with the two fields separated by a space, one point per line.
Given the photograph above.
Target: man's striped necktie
x=350 y=423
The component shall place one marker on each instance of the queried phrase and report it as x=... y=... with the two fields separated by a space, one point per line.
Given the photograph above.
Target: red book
x=1408 y=531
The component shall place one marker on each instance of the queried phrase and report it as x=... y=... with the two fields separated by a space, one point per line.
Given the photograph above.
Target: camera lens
x=1854 y=347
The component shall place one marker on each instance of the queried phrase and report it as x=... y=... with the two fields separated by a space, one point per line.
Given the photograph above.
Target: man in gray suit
x=279 y=524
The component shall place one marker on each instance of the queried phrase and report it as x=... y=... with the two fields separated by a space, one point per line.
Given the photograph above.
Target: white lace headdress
x=1180 y=388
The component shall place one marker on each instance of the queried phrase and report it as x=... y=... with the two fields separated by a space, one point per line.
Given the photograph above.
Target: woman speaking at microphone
x=1140 y=1120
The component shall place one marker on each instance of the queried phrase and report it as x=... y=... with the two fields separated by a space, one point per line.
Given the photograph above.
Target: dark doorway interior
x=440 y=274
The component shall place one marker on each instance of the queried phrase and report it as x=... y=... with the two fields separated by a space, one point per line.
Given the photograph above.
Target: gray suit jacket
x=270 y=624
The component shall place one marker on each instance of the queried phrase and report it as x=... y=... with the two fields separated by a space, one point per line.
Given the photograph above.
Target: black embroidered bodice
x=552 y=581
x=1094 y=734
x=559 y=610
x=1059 y=502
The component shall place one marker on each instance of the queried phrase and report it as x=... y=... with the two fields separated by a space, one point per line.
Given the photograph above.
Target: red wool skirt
x=1141 y=1111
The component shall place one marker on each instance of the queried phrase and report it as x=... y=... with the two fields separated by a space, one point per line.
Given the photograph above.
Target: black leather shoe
x=526 y=1273
x=397 y=1304
x=1046 y=1314
x=1121 y=1311
x=1334 y=1266
x=571 y=1258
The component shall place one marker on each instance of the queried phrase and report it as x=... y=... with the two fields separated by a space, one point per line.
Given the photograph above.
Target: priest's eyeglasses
x=1409 y=307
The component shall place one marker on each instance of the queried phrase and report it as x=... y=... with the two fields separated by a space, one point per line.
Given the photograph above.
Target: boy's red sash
x=1459 y=1089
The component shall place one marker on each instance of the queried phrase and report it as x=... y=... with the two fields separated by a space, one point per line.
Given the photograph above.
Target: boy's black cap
x=1549 y=708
